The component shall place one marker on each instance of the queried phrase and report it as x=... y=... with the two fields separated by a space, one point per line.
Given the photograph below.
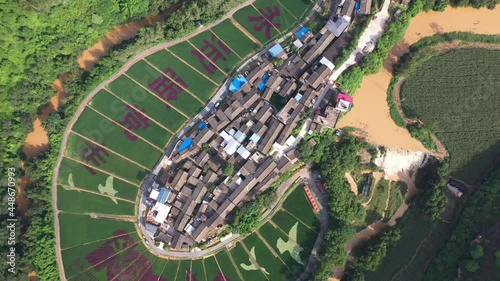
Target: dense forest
x=42 y=40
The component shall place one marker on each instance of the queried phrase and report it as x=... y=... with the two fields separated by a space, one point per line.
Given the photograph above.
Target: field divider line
x=103 y=216
x=141 y=255
x=285 y=233
x=100 y=170
x=99 y=240
x=273 y=252
x=265 y=18
x=234 y=264
x=111 y=150
x=156 y=96
x=175 y=82
x=220 y=269
x=205 y=56
x=286 y=9
x=177 y=271
x=307 y=226
x=253 y=259
x=213 y=32
x=92 y=266
x=96 y=193
x=248 y=34
x=165 y=266
x=192 y=67
x=137 y=109
x=124 y=128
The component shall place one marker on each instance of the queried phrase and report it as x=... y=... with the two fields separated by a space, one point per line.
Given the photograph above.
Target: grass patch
x=234 y=38
x=278 y=101
x=396 y=198
x=461 y=105
x=376 y=208
x=110 y=106
x=184 y=51
x=132 y=93
x=422 y=134
x=391 y=101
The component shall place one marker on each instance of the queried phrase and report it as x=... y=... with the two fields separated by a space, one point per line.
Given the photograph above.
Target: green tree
x=476 y=251
x=228 y=170
x=471 y=266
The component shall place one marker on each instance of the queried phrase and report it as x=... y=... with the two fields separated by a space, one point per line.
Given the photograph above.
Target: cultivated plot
x=246 y=265
x=190 y=55
x=167 y=85
x=256 y=24
x=292 y=254
x=114 y=139
x=299 y=206
x=276 y=14
x=97 y=157
x=212 y=269
x=189 y=78
x=271 y=265
x=76 y=230
x=134 y=117
x=81 y=202
x=184 y=270
x=212 y=51
x=305 y=235
x=198 y=270
x=298 y=8
x=170 y=271
x=75 y=175
x=234 y=38
x=99 y=255
x=227 y=266
x=132 y=93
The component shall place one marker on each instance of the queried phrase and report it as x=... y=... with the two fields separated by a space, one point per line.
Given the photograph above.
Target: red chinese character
x=165 y=86
x=94 y=154
x=209 y=54
x=134 y=120
x=266 y=20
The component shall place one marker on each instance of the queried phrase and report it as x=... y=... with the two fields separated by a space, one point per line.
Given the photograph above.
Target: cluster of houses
x=245 y=144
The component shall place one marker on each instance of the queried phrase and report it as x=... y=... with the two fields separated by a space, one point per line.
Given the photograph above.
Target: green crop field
x=299 y=206
x=81 y=229
x=227 y=266
x=113 y=164
x=170 y=271
x=286 y=247
x=184 y=51
x=297 y=7
x=73 y=174
x=184 y=269
x=132 y=93
x=228 y=59
x=211 y=268
x=146 y=75
x=456 y=95
x=242 y=261
x=284 y=21
x=197 y=83
x=242 y=17
x=234 y=38
x=113 y=139
x=112 y=107
x=198 y=270
x=76 y=201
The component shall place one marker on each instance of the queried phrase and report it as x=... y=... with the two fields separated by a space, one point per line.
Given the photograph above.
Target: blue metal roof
x=237 y=83
x=276 y=50
x=163 y=196
x=187 y=143
x=302 y=32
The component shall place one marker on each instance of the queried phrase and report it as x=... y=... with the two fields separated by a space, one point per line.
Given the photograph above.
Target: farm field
x=113 y=108
x=238 y=41
x=298 y=8
x=226 y=266
x=264 y=35
x=299 y=206
x=396 y=198
x=198 y=270
x=244 y=264
x=73 y=174
x=376 y=207
x=170 y=270
x=284 y=21
x=460 y=105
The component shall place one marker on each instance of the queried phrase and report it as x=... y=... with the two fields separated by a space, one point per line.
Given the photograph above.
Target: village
x=249 y=140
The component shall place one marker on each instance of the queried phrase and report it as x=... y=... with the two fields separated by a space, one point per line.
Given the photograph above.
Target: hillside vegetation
x=456 y=94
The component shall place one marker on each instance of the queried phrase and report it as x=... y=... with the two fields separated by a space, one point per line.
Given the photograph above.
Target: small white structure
x=297 y=43
x=243 y=152
x=327 y=62
x=189 y=229
x=160 y=212
x=154 y=194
